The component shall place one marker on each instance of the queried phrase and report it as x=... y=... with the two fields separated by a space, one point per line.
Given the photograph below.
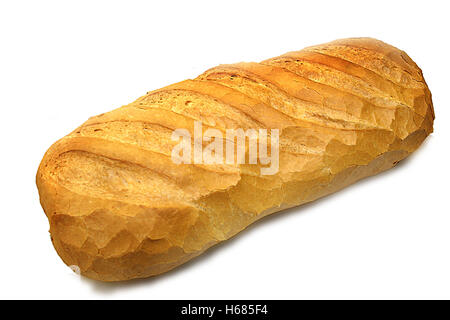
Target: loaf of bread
x=120 y=207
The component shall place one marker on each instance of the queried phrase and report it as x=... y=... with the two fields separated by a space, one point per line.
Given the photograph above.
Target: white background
x=63 y=61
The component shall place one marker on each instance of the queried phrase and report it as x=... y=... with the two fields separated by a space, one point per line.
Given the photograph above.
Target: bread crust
x=119 y=208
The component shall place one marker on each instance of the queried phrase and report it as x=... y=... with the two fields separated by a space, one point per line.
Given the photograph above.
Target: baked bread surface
x=119 y=208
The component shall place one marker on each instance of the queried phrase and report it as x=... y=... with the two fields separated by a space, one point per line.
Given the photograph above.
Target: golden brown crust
x=119 y=208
